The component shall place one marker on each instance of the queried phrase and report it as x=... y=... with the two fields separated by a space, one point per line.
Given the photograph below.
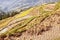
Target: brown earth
x=48 y=29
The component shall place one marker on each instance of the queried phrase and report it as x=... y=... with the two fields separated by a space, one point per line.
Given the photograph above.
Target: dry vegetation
x=37 y=23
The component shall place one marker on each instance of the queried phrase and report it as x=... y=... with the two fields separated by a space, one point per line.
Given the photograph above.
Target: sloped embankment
x=49 y=29
x=43 y=24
